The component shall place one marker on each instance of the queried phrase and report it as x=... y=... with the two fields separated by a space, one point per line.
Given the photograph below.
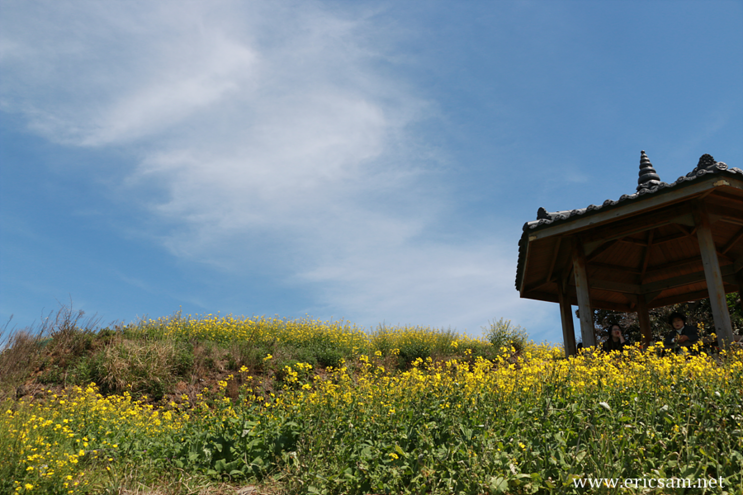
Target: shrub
x=502 y=334
x=327 y=353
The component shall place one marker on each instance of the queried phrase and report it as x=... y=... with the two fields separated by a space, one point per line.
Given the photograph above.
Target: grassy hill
x=214 y=404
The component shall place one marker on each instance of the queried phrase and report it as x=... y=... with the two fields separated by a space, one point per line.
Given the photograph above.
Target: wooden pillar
x=643 y=316
x=720 y=313
x=566 y=316
x=584 y=301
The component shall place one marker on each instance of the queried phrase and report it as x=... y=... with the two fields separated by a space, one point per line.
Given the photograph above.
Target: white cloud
x=276 y=140
x=428 y=284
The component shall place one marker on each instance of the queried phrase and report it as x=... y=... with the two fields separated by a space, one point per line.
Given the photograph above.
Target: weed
x=504 y=335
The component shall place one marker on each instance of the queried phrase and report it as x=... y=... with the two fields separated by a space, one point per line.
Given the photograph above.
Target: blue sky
x=373 y=161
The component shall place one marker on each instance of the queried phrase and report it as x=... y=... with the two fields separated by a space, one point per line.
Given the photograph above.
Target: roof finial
x=706 y=161
x=706 y=164
x=648 y=176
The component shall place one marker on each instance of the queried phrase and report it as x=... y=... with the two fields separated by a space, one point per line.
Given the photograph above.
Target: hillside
x=216 y=404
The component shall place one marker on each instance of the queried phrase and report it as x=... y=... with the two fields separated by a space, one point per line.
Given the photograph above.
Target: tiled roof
x=648 y=184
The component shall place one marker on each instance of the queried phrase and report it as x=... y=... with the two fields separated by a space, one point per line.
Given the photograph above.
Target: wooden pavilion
x=664 y=244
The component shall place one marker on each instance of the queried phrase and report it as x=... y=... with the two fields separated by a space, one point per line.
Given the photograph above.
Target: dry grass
x=140 y=366
x=60 y=337
x=19 y=355
x=177 y=482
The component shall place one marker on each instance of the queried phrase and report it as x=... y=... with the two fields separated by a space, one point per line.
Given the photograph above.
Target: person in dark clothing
x=616 y=340
x=681 y=335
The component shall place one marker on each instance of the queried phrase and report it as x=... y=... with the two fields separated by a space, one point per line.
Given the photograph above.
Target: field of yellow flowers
x=395 y=411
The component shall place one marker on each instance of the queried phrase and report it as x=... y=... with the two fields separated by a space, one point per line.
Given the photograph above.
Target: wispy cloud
x=277 y=138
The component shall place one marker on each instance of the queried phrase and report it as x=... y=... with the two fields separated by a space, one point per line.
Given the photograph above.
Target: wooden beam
x=642 y=205
x=539 y=284
x=614 y=306
x=646 y=257
x=650 y=296
x=653 y=289
x=672 y=237
x=727 y=213
x=632 y=301
x=522 y=289
x=555 y=252
x=567 y=269
x=732 y=241
x=650 y=291
x=540 y=296
x=681 y=280
x=715 y=286
x=724 y=257
x=686 y=297
x=671 y=267
x=680 y=298
x=685 y=232
x=728 y=197
x=566 y=316
x=600 y=249
x=582 y=289
x=734 y=221
x=613 y=286
x=599 y=304
x=641 y=223
x=623 y=269
x=552 y=297
x=631 y=240
x=643 y=316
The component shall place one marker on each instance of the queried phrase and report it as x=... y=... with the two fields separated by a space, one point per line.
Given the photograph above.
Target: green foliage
x=235 y=447
x=325 y=352
x=502 y=334
x=536 y=442
x=410 y=343
x=698 y=313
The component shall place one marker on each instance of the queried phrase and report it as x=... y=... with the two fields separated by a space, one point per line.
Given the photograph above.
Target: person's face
x=616 y=331
x=678 y=323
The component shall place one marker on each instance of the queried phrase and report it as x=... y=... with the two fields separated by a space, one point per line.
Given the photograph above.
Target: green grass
x=316 y=407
